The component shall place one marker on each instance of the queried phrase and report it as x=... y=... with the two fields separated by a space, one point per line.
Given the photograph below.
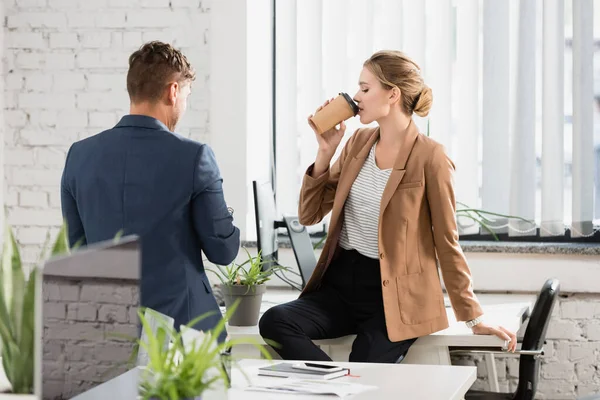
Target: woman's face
x=374 y=101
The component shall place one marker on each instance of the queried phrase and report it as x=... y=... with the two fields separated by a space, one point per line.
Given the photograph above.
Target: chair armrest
x=496 y=350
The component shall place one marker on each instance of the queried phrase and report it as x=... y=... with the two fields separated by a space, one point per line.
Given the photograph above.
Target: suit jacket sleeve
x=219 y=238
x=70 y=212
x=453 y=264
x=317 y=194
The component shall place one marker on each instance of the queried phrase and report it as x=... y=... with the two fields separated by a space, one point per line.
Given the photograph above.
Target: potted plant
x=17 y=313
x=485 y=218
x=180 y=371
x=245 y=282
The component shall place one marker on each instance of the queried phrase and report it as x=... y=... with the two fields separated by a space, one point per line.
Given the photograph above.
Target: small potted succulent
x=245 y=282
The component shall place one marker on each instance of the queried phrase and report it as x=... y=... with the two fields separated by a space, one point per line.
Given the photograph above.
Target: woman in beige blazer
x=391 y=198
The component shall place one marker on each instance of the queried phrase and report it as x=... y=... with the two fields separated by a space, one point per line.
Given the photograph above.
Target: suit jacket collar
x=141 y=121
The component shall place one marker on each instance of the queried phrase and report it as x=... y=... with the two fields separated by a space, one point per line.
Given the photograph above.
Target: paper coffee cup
x=338 y=110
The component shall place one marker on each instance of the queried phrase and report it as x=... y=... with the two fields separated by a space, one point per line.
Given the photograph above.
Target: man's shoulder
x=187 y=141
x=109 y=135
x=89 y=141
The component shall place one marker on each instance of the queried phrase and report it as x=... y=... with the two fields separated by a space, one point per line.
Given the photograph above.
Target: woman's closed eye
x=365 y=90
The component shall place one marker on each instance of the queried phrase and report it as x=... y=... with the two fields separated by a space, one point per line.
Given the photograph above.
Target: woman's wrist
x=321 y=164
x=474 y=322
x=325 y=155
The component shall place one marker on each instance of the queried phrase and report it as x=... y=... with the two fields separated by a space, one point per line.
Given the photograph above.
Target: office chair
x=302 y=247
x=531 y=348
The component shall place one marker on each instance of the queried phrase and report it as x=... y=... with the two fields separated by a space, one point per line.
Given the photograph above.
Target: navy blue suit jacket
x=141 y=178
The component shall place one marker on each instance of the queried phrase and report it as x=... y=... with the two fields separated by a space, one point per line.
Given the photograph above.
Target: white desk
x=393 y=381
x=505 y=310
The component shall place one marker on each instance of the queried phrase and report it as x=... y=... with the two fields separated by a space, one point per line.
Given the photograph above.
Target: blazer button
x=381 y=255
x=386 y=282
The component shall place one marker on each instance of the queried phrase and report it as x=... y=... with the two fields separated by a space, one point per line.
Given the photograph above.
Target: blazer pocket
x=206 y=284
x=417 y=301
x=409 y=185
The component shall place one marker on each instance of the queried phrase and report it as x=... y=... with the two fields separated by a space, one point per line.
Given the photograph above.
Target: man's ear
x=173 y=92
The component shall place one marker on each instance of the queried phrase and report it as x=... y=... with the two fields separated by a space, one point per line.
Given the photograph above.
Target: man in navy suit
x=142 y=178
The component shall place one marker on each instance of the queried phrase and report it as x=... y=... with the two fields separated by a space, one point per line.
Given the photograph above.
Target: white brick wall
x=570 y=366
x=74 y=359
x=64 y=80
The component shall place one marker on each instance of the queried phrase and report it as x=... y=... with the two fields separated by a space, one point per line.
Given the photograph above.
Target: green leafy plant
x=17 y=307
x=320 y=242
x=482 y=217
x=249 y=273
x=184 y=372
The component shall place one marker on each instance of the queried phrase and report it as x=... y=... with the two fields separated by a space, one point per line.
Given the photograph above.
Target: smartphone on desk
x=316 y=367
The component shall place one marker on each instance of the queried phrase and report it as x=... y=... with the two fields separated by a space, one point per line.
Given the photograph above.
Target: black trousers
x=348 y=302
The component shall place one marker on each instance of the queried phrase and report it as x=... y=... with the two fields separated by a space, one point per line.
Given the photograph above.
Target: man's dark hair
x=152 y=67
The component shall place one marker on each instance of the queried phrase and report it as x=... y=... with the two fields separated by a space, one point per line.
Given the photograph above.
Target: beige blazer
x=416 y=222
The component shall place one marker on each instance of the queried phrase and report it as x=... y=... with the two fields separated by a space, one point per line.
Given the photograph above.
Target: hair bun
x=424 y=102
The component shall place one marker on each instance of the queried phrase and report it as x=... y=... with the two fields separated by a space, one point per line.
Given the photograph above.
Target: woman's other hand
x=503 y=333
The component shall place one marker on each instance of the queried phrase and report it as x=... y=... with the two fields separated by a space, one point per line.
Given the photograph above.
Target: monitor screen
x=89 y=316
x=266 y=215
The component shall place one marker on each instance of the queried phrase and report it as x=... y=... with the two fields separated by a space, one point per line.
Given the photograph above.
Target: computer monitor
x=267 y=223
x=89 y=320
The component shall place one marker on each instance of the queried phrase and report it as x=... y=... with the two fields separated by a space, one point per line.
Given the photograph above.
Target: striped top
x=360 y=229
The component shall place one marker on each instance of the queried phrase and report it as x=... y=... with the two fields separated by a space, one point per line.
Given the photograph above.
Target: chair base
x=481 y=395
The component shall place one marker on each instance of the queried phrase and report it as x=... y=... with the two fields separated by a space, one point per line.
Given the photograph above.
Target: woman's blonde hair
x=395 y=69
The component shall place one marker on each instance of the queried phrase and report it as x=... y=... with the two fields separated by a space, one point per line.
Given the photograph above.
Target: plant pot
x=248 y=310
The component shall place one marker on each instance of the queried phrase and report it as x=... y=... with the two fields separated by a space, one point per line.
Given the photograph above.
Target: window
x=502 y=75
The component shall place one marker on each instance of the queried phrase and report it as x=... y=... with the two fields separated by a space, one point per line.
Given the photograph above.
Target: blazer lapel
x=399 y=166
x=355 y=164
x=350 y=171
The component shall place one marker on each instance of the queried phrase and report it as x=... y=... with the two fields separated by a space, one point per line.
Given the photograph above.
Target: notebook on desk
x=288 y=370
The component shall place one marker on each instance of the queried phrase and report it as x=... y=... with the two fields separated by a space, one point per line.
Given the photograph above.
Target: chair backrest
x=302 y=246
x=155 y=320
x=535 y=335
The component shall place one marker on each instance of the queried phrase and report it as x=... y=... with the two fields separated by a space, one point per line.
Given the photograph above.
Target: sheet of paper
x=311 y=386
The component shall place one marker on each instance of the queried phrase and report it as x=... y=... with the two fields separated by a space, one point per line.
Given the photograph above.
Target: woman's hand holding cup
x=330 y=139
